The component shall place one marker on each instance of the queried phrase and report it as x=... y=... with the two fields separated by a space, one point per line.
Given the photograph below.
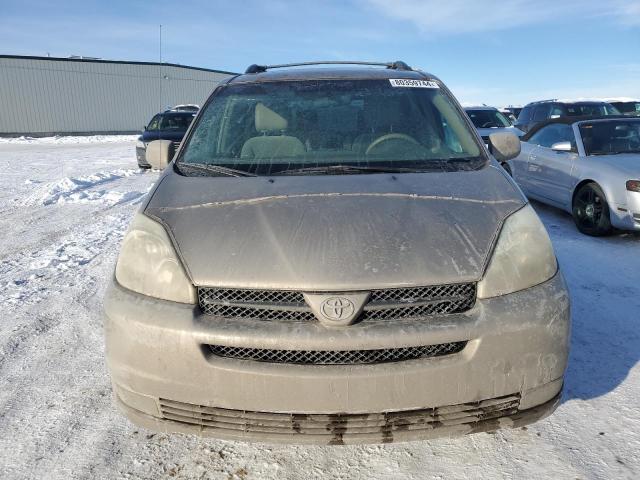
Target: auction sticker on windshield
x=407 y=82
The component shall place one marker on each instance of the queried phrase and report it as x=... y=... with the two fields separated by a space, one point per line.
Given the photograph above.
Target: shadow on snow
x=603 y=275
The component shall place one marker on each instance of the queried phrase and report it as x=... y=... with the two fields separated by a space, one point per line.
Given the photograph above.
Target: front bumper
x=624 y=210
x=509 y=374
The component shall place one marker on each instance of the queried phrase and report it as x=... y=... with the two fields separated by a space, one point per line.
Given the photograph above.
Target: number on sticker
x=407 y=82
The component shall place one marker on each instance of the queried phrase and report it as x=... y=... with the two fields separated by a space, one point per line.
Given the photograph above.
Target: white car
x=589 y=167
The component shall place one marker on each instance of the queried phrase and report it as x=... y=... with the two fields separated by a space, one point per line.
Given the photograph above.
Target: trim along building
x=43 y=96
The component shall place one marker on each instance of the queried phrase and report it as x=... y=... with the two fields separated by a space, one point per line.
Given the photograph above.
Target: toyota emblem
x=337 y=308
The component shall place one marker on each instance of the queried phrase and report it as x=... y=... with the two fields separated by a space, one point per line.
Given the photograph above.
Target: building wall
x=45 y=96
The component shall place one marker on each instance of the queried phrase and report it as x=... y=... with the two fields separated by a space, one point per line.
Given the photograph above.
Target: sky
x=497 y=52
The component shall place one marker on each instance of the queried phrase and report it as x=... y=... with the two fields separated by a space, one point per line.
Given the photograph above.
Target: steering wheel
x=488 y=125
x=390 y=136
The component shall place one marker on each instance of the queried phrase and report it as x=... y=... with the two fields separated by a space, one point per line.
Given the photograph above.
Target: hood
x=627 y=163
x=335 y=232
x=485 y=132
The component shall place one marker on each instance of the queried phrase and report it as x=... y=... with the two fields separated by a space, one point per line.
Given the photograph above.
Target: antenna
x=160 y=67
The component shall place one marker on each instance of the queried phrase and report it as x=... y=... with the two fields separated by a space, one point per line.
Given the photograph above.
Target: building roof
x=93 y=60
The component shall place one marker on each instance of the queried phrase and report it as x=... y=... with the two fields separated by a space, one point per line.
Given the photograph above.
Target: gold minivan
x=332 y=256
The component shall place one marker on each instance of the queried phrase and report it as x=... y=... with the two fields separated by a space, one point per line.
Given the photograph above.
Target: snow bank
x=70 y=140
x=79 y=189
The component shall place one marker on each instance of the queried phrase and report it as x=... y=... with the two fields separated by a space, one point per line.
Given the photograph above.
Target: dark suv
x=537 y=112
x=169 y=125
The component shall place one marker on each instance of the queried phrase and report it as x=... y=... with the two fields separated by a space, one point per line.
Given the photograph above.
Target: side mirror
x=144 y=128
x=504 y=146
x=562 y=147
x=159 y=153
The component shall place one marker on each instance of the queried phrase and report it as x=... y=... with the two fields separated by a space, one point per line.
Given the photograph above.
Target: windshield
x=611 y=137
x=176 y=121
x=590 y=109
x=488 y=119
x=308 y=127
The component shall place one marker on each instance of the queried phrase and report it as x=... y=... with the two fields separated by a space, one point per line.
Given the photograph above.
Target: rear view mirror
x=504 y=146
x=562 y=147
x=159 y=153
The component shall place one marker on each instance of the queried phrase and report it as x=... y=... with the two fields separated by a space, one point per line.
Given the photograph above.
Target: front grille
x=252 y=296
x=385 y=304
x=233 y=311
x=337 y=357
x=416 y=294
x=418 y=311
x=340 y=427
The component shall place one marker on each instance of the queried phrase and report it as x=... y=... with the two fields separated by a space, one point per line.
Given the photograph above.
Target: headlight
x=140 y=144
x=523 y=256
x=148 y=263
x=633 y=185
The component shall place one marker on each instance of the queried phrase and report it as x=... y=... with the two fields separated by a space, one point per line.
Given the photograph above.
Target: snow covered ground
x=68 y=140
x=64 y=206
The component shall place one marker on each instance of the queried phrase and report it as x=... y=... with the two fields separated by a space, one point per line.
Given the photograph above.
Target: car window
x=154 y=124
x=176 y=122
x=590 y=109
x=541 y=113
x=628 y=108
x=273 y=127
x=488 y=118
x=611 y=137
x=556 y=111
x=554 y=133
x=539 y=138
x=525 y=115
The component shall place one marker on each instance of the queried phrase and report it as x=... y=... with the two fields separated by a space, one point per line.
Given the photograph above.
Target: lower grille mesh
x=339 y=427
x=337 y=357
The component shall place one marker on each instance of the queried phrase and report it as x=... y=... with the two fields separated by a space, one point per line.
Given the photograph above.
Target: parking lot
x=64 y=207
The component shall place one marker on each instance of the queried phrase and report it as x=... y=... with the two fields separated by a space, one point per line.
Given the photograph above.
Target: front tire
x=591 y=211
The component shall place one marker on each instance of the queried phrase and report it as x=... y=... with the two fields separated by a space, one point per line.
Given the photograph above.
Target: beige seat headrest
x=269 y=121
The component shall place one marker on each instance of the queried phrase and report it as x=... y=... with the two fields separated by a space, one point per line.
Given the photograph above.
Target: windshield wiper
x=348 y=169
x=203 y=167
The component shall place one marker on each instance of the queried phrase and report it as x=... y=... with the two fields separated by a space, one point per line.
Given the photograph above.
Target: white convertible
x=589 y=167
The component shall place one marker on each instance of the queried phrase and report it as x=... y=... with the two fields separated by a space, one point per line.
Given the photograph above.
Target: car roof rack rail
x=397 y=65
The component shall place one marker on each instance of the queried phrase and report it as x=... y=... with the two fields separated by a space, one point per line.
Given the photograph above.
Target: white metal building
x=47 y=96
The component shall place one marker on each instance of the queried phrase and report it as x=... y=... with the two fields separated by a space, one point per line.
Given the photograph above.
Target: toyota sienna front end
x=333 y=257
